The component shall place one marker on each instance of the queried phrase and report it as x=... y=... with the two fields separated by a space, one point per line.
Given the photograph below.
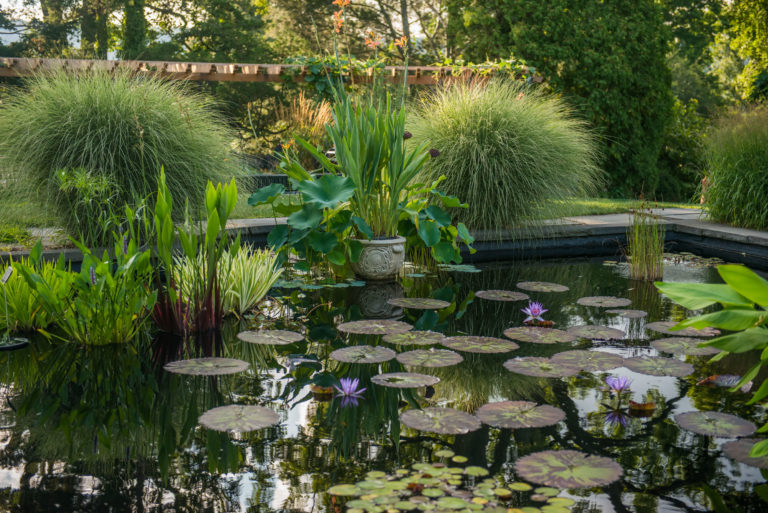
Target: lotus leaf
x=374 y=327
x=568 y=469
x=474 y=344
x=444 y=421
x=270 y=337
x=604 y=301
x=417 y=338
x=596 y=332
x=541 y=367
x=206 y=366
x=519 y=414
x=542 y=286
x=501 y=295
x=664 y=327
x=404 y=380
x=238 y=417
x=658 y=366
x=538 y=335
x=683 y=345
x=739 y=450
x=430 y=358
x=714 y=423
x=363 y=354
x=419 y=303
x=590 y=361
x=629 y=314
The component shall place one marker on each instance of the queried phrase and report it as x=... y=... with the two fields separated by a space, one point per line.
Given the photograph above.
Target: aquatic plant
x=25 y=309
x=534 y=311
x=645 y=241
x=618 y=384
x=349 y=391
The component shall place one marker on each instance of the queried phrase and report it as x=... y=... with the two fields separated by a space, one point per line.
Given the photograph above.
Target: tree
x=749 y=38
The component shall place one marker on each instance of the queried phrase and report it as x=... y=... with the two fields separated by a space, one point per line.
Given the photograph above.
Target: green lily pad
x=270 y=337
x=604 y=301
x=683 y=345
x=430 y=358
x=541 y=367
x=345 y=490
x=519 y=414
x=665 y=328
x=590 y=361
x=451 y=503
x=374 y=327
x=419 y=303
x=542 y=286
x=596 y=332
x=474 y=344
x=539 y=335
x=739 y=450
x=444 y=421
x=501 y=295
x=238 y=417
x=715 y=423
x=363 y=354
x=459 y=268
x=206 y=366
x=629 y=314
x=416 y=338
x=568 y=469
x=404 y=380
x=658 y=366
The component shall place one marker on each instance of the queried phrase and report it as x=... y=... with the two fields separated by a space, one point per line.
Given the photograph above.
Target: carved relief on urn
x=380 y=259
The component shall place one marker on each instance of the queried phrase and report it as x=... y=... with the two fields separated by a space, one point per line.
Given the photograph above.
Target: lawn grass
x=597 y=206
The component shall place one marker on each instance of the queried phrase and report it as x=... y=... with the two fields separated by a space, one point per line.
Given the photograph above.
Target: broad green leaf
x=760 y=394
x=327 y=191
x=355 y=250
x=439 y=215
x=695 y=296
x=745 y=282
x=337 y=257
x=445 y=253
x=278 y=236
x=450 y=201
x=309 y=217
x=429 y=233
x=323 y=242
x=266 y=195
x=732 y=319
x=747 y=340
x=362 y=227
x=286 y=209
x=464 y=234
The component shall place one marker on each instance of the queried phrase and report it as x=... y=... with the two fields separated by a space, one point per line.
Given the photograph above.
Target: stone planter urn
x=381 y=259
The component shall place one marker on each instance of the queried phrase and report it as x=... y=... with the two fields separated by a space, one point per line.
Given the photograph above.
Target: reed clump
x=645 y=239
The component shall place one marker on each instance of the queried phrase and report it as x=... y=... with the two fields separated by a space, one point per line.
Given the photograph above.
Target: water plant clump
x=645 y=240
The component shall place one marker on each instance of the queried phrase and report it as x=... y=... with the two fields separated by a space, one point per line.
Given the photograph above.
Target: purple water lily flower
x=349 y=392
x=618 y=384
x=534 y=311
x=92 y=273
x=617 y=418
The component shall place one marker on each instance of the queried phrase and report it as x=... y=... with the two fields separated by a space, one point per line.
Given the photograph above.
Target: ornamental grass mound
x=511 y=151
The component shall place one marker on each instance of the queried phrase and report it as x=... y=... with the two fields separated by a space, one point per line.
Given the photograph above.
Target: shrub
x=508 y=150
x=25 y=309
x=736 y=158
x=115 y=126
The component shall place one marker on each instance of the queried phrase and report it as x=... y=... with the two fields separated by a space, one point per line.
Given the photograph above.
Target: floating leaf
x=206 y=366
x=568 y=469
x=590 y=361
x=739 y=450
x=459 y=268
x=715 y=423
x=345 y=490
x=404 y=380
x=474 y=344
x=374 y=327
x=451 y=503
x=419 y=303
x=519 y=487
x=445 y=453
x=542 y=286
x=430 y=358
x=476 y=471
x=501 y=295
x=658 y=366
x=629 y=314
x=604 y=301
x=683 y=345
x=538 y=335
x=416 y=338
x=238 y=417
x=444 y=421
x=665 y=328
x=596 y=332
x=541 y=367
x=270 y=337
x=363 y=354
x=519 y=414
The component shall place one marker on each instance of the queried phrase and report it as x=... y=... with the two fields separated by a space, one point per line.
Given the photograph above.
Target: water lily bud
x=433 y=153
x=407 y=135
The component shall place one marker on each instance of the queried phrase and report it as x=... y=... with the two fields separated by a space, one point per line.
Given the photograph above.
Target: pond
x=108 y=429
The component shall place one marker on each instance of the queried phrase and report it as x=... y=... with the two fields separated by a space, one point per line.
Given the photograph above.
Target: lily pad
x=374 y=327
x=419 y=303
x=568 y=469
x=238 y=417
x=519 y=414
x=739 y=450
x=363 y=354
x=206 y=366
x=683 y=345
x=501 y=295
x=538 y=335
x=629 y=314
x=404 y=380
x=444 y=421
x=715 y=423
x=665 y=328
x=604 y=301
x=430 y=358
x=658 y=366
x=590 y=361
x=345 y=490
x=416 y=338
x=541 y=367
x=542 y=286
x=596 y=332
x=459 y=268
x=270 y=337
x=486 y=345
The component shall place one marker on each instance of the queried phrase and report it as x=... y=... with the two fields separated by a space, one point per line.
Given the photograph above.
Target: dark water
x=106 y=429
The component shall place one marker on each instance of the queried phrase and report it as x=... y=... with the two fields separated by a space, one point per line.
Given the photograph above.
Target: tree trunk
x=135 y=39
x=406 y=24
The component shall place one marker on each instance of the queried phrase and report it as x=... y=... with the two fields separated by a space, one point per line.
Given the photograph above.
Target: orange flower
x=520 y=96
x=342 y=3
x=401 y=42
x=338 y=20
x=372 y=41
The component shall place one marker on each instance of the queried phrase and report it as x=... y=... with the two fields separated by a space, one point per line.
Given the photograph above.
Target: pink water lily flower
x=618 y=384
x=534 y=311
